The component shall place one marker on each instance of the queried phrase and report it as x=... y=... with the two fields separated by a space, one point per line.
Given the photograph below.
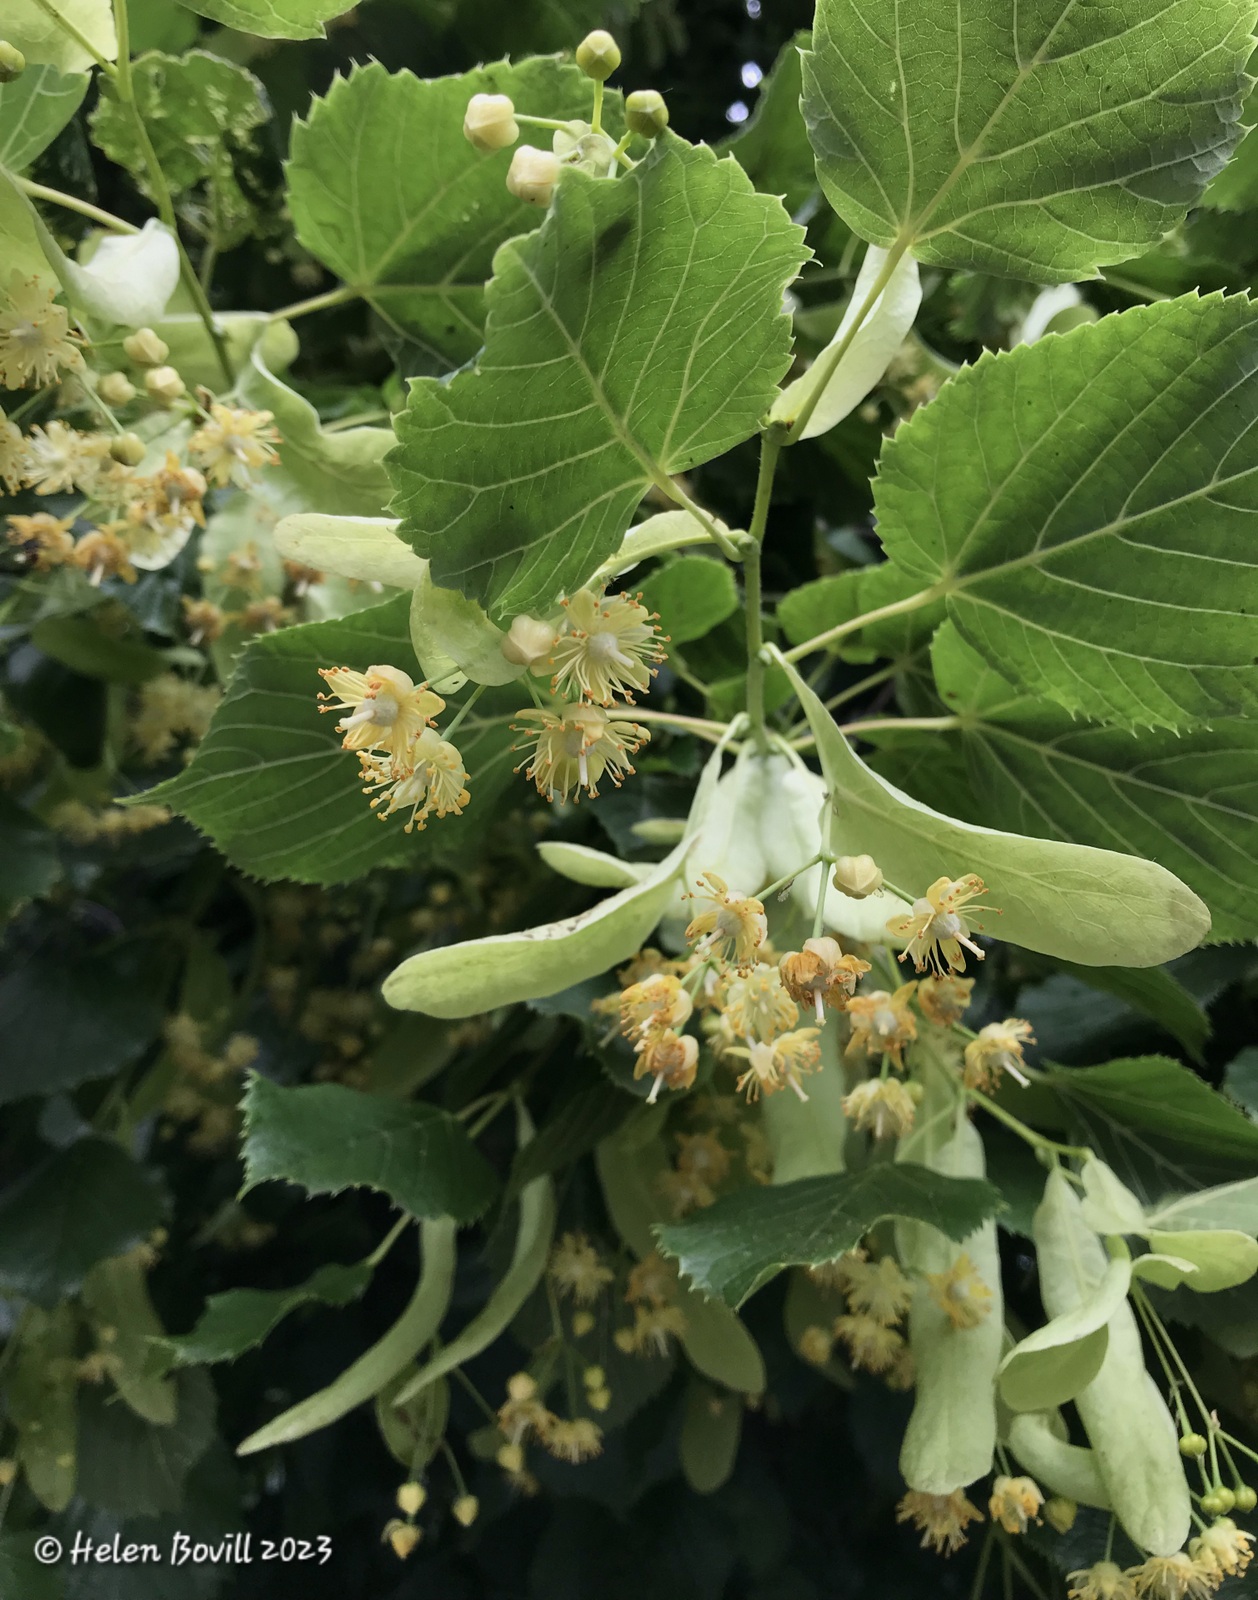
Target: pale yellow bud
x=857 y=876
x=403 y=1537
x=12 y=62
x=489 y=123
x=127 y=449
x=521 y=1387
x=165 y=384
x=116 y=389
x=511 y=1458
x=533 y=174
x=145 y=348
x=466 y=1509
x=8 y=1471
x=582 y=1323
x=594 y=1378
x=1060 y=1513
x=598 y=55
x=646 y=113
x=529 y=642
x=411 y=1497
x=598 y=1399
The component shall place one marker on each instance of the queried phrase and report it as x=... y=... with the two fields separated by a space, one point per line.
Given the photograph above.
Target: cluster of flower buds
x=492 y=123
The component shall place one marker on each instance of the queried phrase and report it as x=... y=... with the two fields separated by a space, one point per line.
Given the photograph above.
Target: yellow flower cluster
x=1219 y=1552
x=524 y=1417
x=878 y=1297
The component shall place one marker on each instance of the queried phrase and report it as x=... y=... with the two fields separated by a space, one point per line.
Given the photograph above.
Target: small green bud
x=1211 y=1504
x=145 y=348
x=165 y=384
x=128 y=449
x=466 y=1509
x=1192 y=1446
x=857 y=876
x=1225 y=1500
x=598 y=55
x=116 y=389
x=1246 y=1498
x=1060 y=1513
x=12 y=62
x=646 y=113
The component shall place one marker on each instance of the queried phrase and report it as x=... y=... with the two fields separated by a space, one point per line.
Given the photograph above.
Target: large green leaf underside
x=270 y=783
x=33 y=110
x=734 y=1247
x=1030 y=138
x=1087 y=504
x=420 y=246
x=271 y=19
x=1187 y=800
x=636 y=334
x=326 y=1138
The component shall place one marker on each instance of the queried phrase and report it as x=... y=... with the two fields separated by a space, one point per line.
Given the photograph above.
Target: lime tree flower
x=575 y=747
x=872 y=1346
x=944 y=1000
x=653 y=1005
x=388 y=710
x=935 y=928
x=878 y=1289
x=58 y=458
x=779 y=1064
x=961 y=1293
x=606 y=648
x=12 y=453
x=820 y=975
x=45 y=540
x=1223 y=1547
x=36 y=343
x=996 y=1050
x=1175 y=1577
x=670 y=1058
x=757 y=1007
x=1015 y=1502
x=234 y=444
x=430 y=777
x=882 y=1024
x=882 y=1106
x=941 y=1519
x=731 y=927
x=1105 y=1580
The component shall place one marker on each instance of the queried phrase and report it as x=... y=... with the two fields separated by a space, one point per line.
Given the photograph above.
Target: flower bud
x=511 y=1458
x=1060 y=1513
x=582 y=1323
x=145 y=348
x=529 y=641
x=857 y=876
x=116 y=389
x=1225 y=1500
x=12 y=62
x=533 y=174
x=598 y=55
x=1192 y=1446
x=8 y=1471
x=489 y=123
x=128 y=449
x=165 y=384
x=646 y=113
x=403 y=1537
x=1211 y=1503
x=1246 y=1498
x=411 y=1497
x=466 y=1509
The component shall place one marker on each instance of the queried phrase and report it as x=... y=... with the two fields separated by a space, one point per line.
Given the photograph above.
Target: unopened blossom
x=961 y=1293
x=234 y=444
x=1176 y=1577
x=940 y=1518
x=935 y=929
x=670 y=1058
x=58 y=458
x=857 y=876
x=401 y=1536
x=12 y=454
x=1015 y=1503
x=577 y=747
x=102 y=553
x=465 y=1510
x=998 y=1049
x=35 y=338
x=203 y=619
x=820 y=975
x=533 y=174
x=1060 y=1513
x=881 y=1106
x=877 y=1289
x=882 y=1024
x=871 y=1345
x=45 y=540
x=577 y=1270
x=756 y=1006
x=529 y=642
x=388 y=710
x=1104 y=1580
x=729 y=927
x=653 y=1329
x=430 y=777
x=944 y=1000
x=489 y=122
x=779 y=1064
x=607 y=647
x=653 y=1006
x=1223 y=1547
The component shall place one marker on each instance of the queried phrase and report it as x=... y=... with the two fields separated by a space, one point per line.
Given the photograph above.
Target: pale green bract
x=1085 y=505
x=1051 y=1365
x=1090 y=906
x=636 y=334
x=365 y=548
x=1035 y=139
x=33 y=110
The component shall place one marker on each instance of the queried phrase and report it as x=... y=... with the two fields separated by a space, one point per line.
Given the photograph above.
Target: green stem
x=71 y=202
x=819 y=910
x=447 y=733
x=1038 y=1141
x=700 y=726
x=95 y=400
x=829 y=359
x=782 y=883
x=853 y=730
x=984 y=1561
x=319 y=302
x=679 y=496
x=596 y=120
x=898 y=608
x=458 y=1374
x=79 y=38
x=364 y=419
x=124 y=87
x=390 y=1239
x=771 y=441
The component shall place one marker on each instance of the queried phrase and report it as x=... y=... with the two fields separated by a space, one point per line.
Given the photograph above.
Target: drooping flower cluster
x=391 y=727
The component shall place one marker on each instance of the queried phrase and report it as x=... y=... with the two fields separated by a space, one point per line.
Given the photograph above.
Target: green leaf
x=237 y=1320
x=1228 y=1206
x=326 y=1138
x=270 y=783
x=419 y=248
x=365 y=548
x=1034 y=142
x=1187 y=799
x=734 y=1247
x=1091 y=906
x=379 y=1366
x=202 y=115
x=116 y=1298
x=656 y=536
x=45 y=42
x=1236 y=187
x=42 y=1402
x=1117 y=478
x=33 y=110
x=29 y=864
x=1051 y=1365
x=82 y=643
x=271 y=19
x=134 y=1467
x=1156 y=992
x=82 y=1204
x=1241 y=1079
x=711 y=1426
x=628 y=298
x=594 y=868
x=1204 y=1260
x=772 y=147
x=1155 y=1095
x=463 y=980
x=826 y=602
x=692 y=595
